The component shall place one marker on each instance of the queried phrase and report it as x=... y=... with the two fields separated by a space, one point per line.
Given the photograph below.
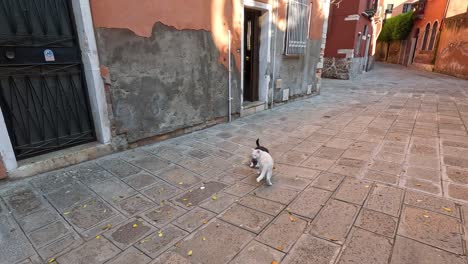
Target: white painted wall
x=89 y=53
x=6 y=149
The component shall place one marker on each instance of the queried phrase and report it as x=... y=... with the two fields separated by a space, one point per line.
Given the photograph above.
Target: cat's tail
x=258 y=142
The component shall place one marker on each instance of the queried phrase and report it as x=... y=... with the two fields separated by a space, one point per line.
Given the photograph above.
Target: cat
x=266 y=163
x=253 y=162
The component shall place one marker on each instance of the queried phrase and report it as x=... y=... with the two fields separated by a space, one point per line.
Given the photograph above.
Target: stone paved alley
x=371 y=171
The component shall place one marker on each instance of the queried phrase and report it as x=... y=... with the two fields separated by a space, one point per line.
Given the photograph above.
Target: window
x=297 y=27
x=426 y=34
x=389 y=9
x=407 y=8
x=433 y=36
x=372 y=4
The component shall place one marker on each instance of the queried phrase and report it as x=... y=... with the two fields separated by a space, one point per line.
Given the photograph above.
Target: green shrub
x=397 y=27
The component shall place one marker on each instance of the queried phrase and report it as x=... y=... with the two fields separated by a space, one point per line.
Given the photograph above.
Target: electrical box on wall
x=279 y=83
x=285 y=95
x=309 y=89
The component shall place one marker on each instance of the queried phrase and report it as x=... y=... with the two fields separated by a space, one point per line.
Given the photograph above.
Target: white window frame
x=297 y=28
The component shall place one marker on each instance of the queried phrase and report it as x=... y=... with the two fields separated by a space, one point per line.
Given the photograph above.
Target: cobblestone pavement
x=371 y=171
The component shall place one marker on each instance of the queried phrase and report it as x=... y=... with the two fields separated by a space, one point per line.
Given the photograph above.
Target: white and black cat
x=265 y=163
x=253 y=162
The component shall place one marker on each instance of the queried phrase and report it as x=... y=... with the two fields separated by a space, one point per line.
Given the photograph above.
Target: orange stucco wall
x=452 y=54
x=215 y=16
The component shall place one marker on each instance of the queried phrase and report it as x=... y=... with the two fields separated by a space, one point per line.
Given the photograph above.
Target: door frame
x=263 y=80
x=81 y=10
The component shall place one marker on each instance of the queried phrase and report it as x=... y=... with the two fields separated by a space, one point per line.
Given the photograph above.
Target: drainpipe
x=273 y=85
x=230 y=74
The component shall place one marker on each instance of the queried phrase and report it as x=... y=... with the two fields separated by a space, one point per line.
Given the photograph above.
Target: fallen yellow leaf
x=203 y=238
x=160 y=234
x=425 y=215
x=84 y=206
x=98 y=237
x=418 y=184
x=214 y=197
x=293 y=219
x=135 y=225
x=205 y=222
x=189 y=253
x=447 y=209
x=180 y=183
x=51 y=260
x=274 y=262
x=66 y=213
x=280 y=247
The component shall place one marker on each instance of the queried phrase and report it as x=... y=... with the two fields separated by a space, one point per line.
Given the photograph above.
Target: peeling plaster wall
x=452 y=53
x=166 y=62
x=166 y=82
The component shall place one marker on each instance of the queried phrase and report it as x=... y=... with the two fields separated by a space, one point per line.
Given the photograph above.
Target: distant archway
x=433 y=35
x=426 y=34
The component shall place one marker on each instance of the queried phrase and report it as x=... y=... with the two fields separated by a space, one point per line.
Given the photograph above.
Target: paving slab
x=173 y=258
x=88 y=214
x=328 y=181
x=276 y=193
x=240 y=189
x=432 y=203
x=353 y=191
x=219 y=202
x=262 y=205
x=377 y=222
x=196 y=195
x=256 y=252
x=25 y=202
x=129 y=232
x=118 y=167
x=194 y=219
x=147 y=161
x=134 y=205
x=365 y=247
x=14 y=245
x=141 y=180
x=431 y=228
x=94 y=251
x=385 y=199
x=38 y=219
x=48 y=233
x=163 y=215
x=334 y=221
x=309 y=249
x=155 y=244
x=408 y=251
x=310 y=202
x=113 y=190
x=295 y=171
x=161 y=191
x=246 y=218
x=60 y=246
x=222 y=242
x=130 y=255
x=69 y=196
x=283 y=232
x=179 y=177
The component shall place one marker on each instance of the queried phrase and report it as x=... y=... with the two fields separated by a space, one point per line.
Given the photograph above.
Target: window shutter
x=297 y=27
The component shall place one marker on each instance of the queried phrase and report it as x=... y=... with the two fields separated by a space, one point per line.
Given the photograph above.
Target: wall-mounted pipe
x=273 y=85
x=230 y=74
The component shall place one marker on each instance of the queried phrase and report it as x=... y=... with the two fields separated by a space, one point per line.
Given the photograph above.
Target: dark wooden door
x=43 y=94
x=251 y=54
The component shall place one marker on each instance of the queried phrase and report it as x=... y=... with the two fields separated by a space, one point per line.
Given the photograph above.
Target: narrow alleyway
x=371 y=171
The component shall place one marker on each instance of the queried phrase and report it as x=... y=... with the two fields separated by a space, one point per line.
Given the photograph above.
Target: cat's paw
x=269 y=183
x=258 y=179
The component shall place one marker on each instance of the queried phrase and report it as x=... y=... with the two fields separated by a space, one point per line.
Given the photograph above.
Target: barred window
x=297 y=27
